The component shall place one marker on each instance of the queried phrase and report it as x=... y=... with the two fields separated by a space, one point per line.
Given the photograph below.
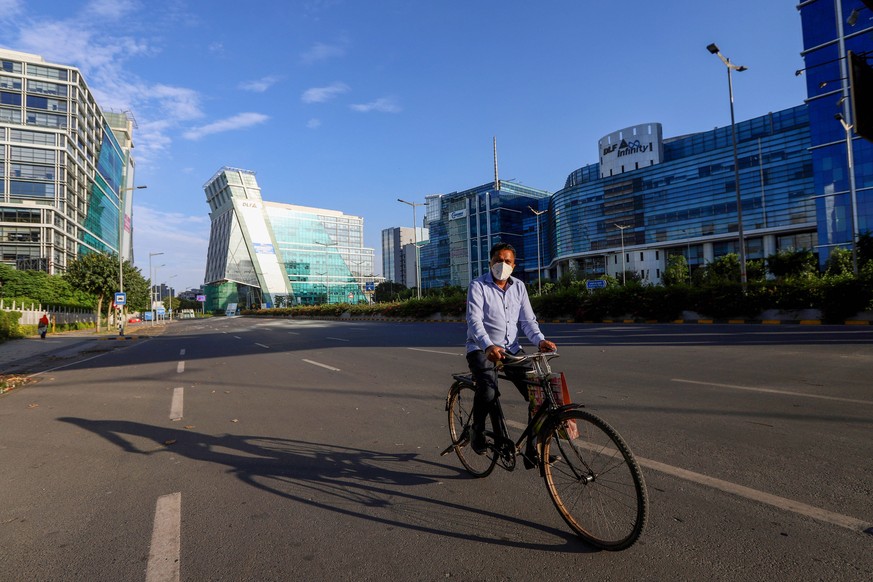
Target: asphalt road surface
x=260 y=449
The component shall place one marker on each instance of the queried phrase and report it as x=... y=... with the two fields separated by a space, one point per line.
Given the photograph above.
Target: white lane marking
x=237 y=337
x=180 y=367
x=67 y=365
x=164 y=552
x=339 y=339
x=434 y=352
x=783 y=503
x=262 y=345
x=182 y=352
x=293 y=333
x=771 y=391
x=322 y=365
x=177 y=403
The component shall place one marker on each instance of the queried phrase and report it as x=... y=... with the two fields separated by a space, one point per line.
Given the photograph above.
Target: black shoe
x=478 y=442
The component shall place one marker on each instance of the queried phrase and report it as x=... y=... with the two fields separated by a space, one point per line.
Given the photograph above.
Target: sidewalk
x=32 y=354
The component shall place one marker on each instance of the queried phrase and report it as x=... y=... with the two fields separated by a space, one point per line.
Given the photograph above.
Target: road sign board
x=121 y=298
x=161 y=311
x=596 y=284
x=201 y=298
x=370 y=286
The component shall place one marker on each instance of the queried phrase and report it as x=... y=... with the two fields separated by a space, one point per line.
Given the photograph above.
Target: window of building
x=47 y=72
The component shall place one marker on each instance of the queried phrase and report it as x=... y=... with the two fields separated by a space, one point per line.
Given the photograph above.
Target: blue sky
x=351 y=104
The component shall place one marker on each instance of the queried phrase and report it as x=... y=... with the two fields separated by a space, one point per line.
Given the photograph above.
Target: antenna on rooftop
x=496 y=179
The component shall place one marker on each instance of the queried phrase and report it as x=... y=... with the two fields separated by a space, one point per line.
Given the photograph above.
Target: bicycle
x=592 y=476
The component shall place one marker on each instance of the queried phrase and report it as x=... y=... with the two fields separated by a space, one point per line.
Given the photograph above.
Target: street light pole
x=712 y=48
x=415 y=239
x=850 y=161
x=120 y=312
x=152 y=285
x=539 y=256
x=327 y=265
x=623 y=266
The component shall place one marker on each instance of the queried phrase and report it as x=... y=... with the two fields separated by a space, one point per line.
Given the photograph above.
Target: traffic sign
x=370 y=286
x=121 y=298
x=596 y=284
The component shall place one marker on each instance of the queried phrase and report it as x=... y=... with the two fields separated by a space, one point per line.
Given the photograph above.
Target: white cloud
x=10 y=8
x=313 y=123
x=321 y=52
x=322 y=94
x=183 y=239
x=110 y=9
x=239 y=121
x=382 y=105
x=259 y=85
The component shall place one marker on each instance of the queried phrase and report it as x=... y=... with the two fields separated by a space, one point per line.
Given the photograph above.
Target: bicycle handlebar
x=510 y=360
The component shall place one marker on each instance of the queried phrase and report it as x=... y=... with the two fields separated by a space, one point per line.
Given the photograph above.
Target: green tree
x=97 y=274
x=865 y=249
x=839 y=262
x=388 y=291
x=789 y=263
x=676 y=272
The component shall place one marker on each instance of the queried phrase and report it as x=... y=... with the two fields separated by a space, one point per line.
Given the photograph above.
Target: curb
x=702 y=321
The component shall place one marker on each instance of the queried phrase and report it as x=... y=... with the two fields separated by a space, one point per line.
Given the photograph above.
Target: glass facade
x=831 y=28
x=60 y=162
x=323 y=253
x=463 y=226
x=279 y=254
x=687 y=203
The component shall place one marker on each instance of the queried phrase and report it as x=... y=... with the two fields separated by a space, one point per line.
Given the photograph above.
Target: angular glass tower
x=267 y=253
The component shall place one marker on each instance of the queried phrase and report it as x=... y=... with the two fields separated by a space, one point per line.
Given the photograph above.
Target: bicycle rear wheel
x=594 y=480
x=460 y=421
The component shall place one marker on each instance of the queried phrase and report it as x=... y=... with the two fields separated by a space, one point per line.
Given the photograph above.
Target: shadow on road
x=360 y=483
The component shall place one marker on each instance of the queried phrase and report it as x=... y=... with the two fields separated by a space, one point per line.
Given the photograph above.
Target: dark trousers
x=485 y=376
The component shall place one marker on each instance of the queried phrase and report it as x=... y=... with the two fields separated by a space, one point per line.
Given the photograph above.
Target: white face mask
x=501 y=271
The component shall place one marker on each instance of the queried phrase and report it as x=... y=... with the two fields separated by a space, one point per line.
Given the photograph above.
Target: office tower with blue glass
x=66 y=171
x=844 y=199
x=464 y=225
x=272 y=254
x=650 y=197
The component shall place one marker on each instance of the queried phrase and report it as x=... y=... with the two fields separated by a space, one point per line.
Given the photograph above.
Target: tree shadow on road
x=366 y=484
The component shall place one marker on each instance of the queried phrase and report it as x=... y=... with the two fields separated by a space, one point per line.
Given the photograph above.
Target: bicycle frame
x=540 y=420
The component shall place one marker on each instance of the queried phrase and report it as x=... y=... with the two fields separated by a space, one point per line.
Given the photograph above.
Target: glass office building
x=832 y=28
x=66 y=173
x=651 y=197
x=464 y=225
x=272 y=254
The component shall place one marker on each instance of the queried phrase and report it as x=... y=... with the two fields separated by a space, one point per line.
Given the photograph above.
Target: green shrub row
x=9 y=325
x=838 y=298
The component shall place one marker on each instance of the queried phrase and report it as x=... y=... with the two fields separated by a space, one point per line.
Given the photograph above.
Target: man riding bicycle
x=497 y=305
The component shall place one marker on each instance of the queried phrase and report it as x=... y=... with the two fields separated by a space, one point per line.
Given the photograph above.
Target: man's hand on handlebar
x=494 y=353
x=547 y=346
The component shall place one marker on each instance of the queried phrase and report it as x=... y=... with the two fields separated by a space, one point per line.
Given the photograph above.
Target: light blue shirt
x=494 y=315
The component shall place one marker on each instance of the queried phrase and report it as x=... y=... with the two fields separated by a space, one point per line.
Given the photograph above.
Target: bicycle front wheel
x=594 y=480
x=460 y=422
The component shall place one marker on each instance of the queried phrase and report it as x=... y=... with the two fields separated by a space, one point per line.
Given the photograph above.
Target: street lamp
x=152 y=286
x=161 y=291
x=712 y=48
x=120 y=246
x=623 y=266
x=415 y=239
x=327 y=285
x=539 y=256
x=327 y=265
x=850 y=161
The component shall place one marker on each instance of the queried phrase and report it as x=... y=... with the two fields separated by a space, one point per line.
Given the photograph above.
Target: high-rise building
x=463 y=226
x=66 y=173
x=268 y=253
x=651 y=197
x=844 y=203
x=398 y=253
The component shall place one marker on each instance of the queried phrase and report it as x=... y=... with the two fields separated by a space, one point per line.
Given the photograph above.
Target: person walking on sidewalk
x=43 y=326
